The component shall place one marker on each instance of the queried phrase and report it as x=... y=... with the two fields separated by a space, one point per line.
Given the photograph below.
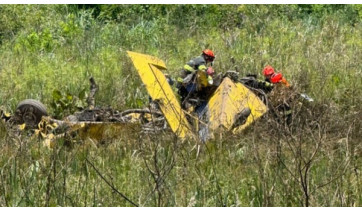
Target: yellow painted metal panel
x=257 y=107
x=149 y=69
x=104 y=131
x=228 y=100
x=96 y=131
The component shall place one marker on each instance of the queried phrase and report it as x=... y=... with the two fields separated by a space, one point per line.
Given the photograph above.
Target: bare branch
x=109 y=184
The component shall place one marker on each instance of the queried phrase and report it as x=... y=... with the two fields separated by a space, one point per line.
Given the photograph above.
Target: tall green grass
x=247 y=170
x=61 y=46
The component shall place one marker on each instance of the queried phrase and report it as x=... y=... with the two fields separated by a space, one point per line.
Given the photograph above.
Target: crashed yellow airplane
x=224 y=105
x=230 y=108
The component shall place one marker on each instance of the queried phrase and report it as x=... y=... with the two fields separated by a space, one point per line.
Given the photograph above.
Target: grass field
x=314 y=162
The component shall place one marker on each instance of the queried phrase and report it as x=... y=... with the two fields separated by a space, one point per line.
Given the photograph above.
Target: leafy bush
x=66 y=104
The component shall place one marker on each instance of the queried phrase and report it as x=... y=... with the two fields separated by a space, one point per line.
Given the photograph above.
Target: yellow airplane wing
x=228 y=100
x=149 y=68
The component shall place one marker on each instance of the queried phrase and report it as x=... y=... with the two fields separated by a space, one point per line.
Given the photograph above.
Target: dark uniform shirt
x=195 y=63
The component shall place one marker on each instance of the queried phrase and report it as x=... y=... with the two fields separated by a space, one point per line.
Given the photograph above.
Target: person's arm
x=189 y=66
x=285 y=82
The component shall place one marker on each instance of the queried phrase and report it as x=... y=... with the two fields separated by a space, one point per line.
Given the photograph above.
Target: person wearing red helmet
x=277 y=78
x=195 y=74
x=268 y=71
x=272 y=77
x=265 y=85
x=199 y=63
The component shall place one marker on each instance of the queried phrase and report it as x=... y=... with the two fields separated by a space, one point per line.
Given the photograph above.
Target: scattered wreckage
x=231 y=107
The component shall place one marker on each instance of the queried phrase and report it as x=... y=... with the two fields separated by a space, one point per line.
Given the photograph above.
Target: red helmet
x=275 y=78
x=209 y=53
x=268 y=71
